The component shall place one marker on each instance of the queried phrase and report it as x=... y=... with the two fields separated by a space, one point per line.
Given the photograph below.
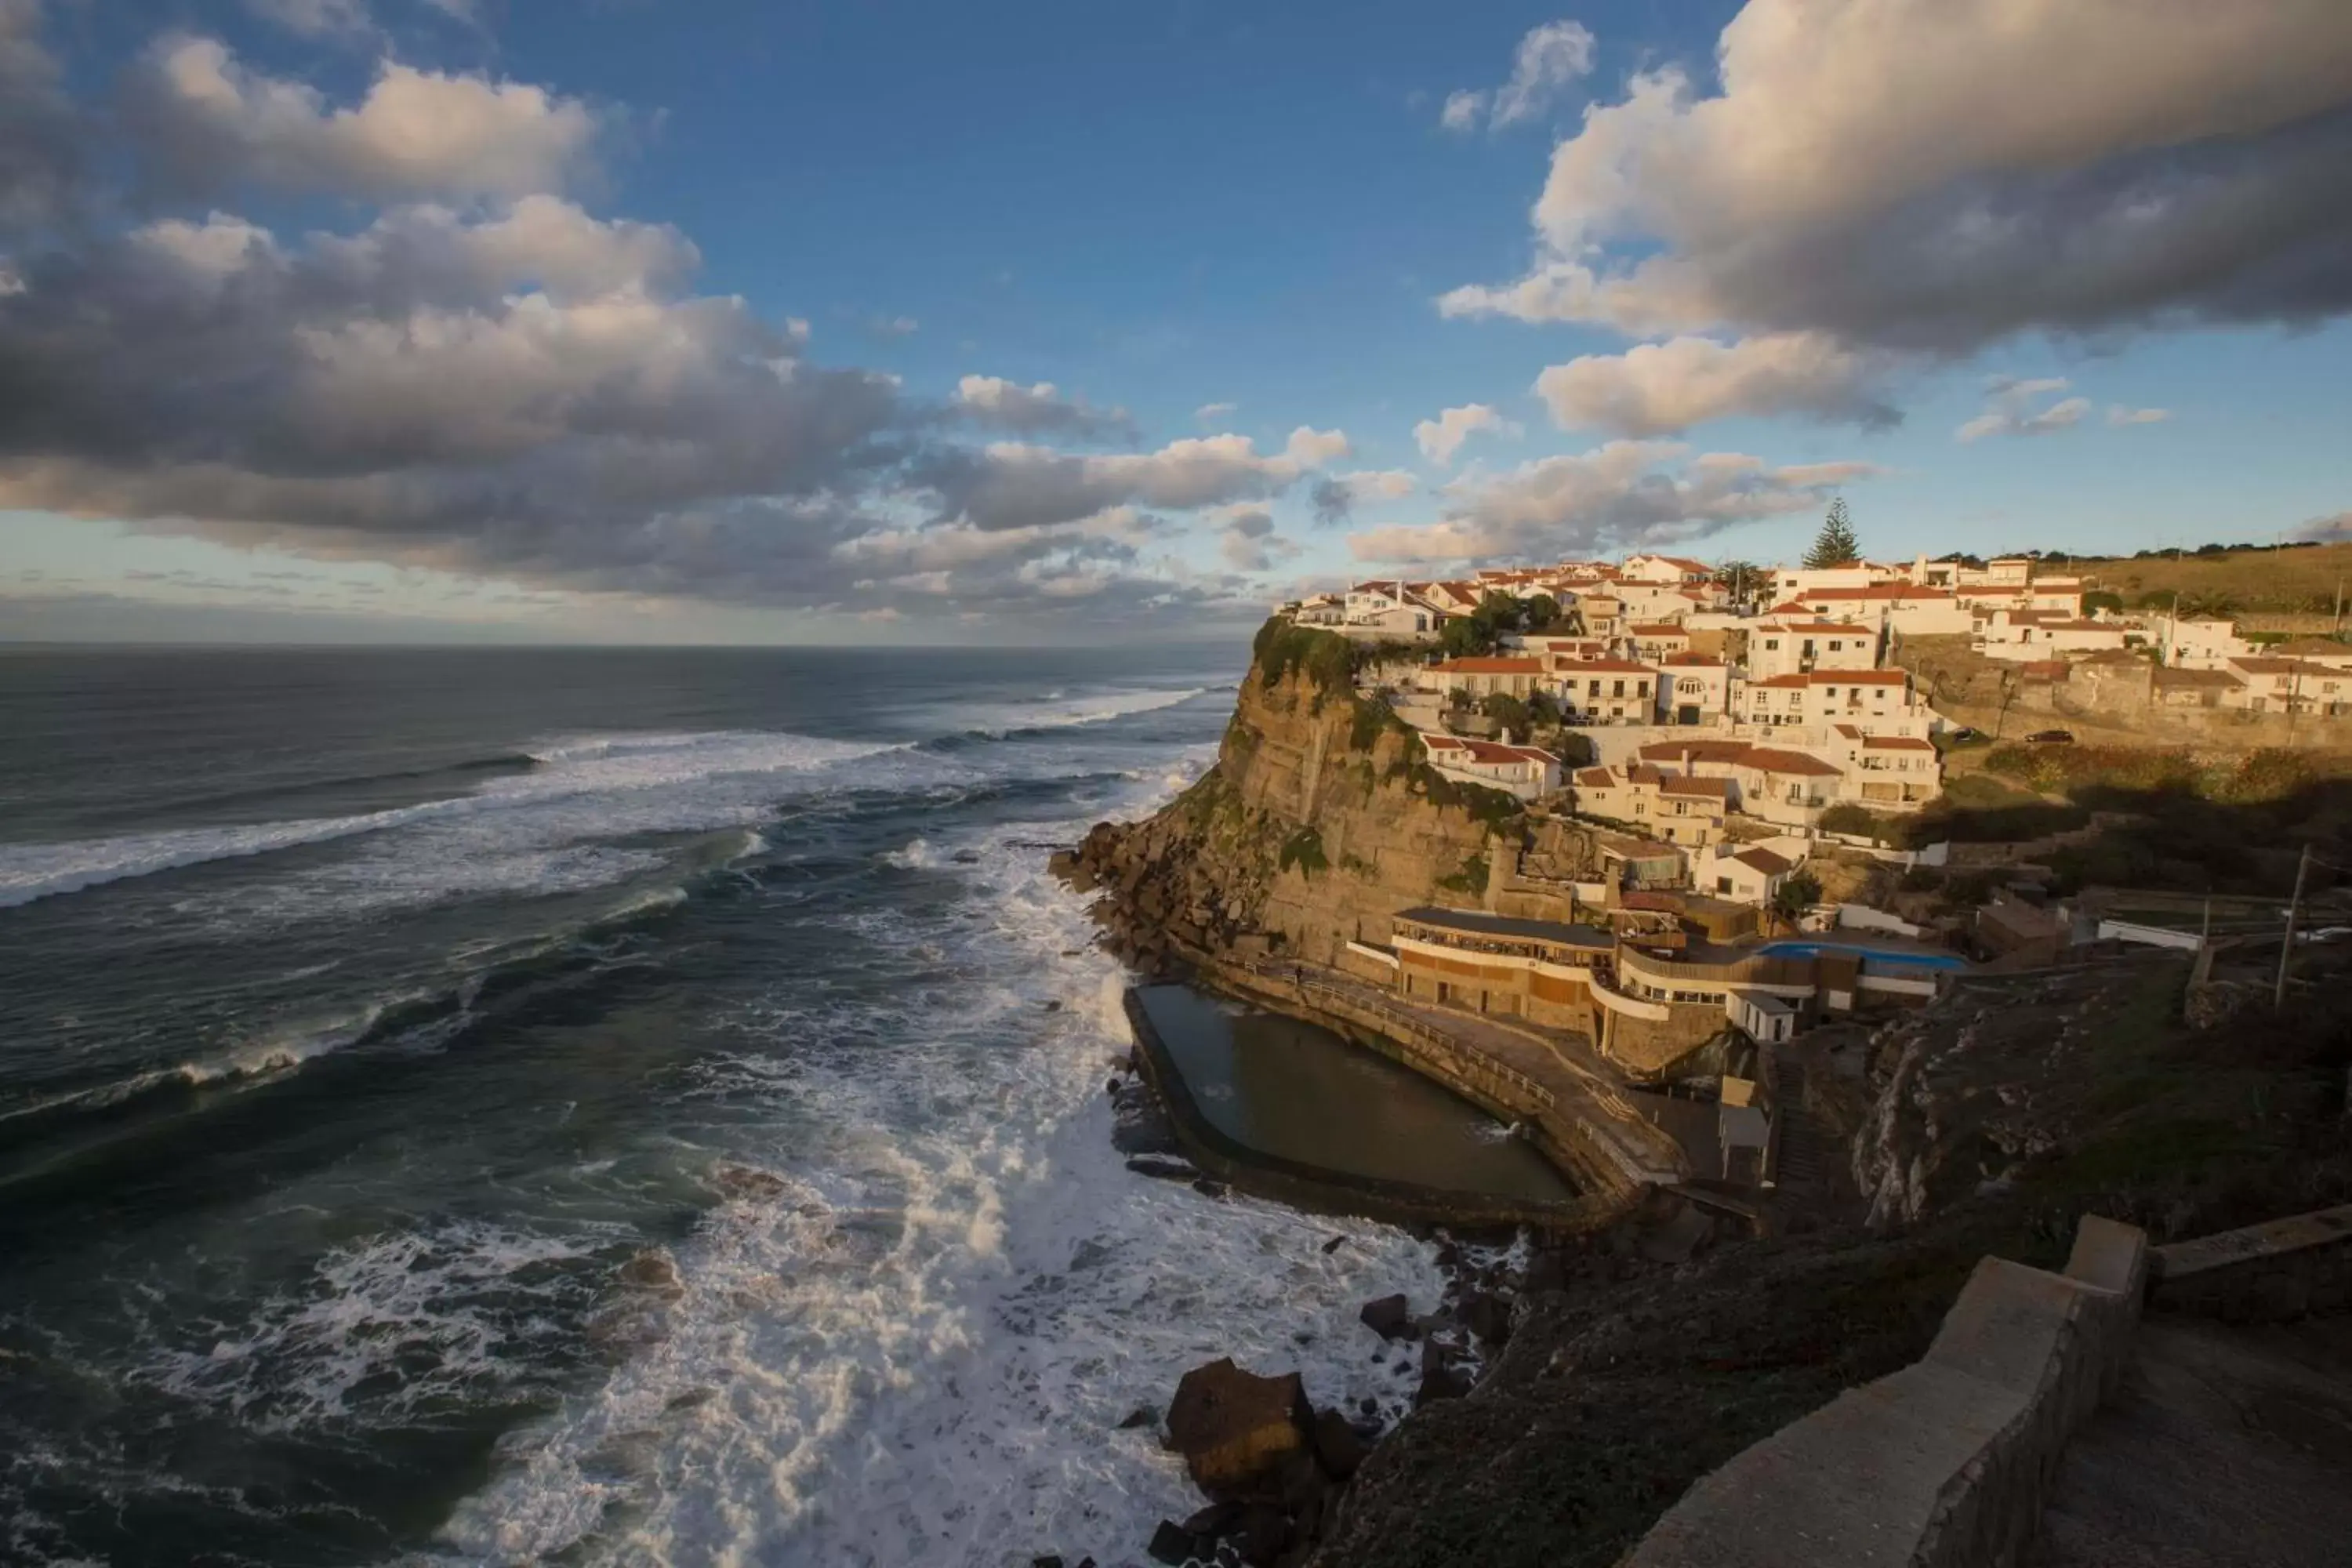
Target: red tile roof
x=1531 y=665
x=1767 y=759
x=1697 y=751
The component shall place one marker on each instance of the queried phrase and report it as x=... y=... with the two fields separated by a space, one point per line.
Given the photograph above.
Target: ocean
x=600 y=1107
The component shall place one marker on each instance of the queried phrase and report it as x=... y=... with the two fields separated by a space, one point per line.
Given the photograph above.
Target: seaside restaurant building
x=1648 y=1010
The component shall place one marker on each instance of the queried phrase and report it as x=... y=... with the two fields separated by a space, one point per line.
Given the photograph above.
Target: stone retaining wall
x=1321 y=1190
x=2262 y=1274
x=1585 y=1155
x=1944 y=1463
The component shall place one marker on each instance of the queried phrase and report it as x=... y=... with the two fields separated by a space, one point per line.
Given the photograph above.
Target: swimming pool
x=1898 y=957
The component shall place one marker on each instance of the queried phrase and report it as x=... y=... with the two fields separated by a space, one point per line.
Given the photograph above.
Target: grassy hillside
x=2302 y=579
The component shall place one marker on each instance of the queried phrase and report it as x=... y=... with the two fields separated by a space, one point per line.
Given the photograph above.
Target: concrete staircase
x=1811 y=1157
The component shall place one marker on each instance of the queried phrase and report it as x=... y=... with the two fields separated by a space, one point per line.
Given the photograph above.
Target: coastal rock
x=1390 y=1317
x=655 y=1272
x=1486 y=1315
x=1337 y=1446
x=1263 y=1531
x=1235 y=1427
x=1440 y=1379
x=1164 y=1167
x=1217 y=1519
x=746 y=1183
x=1142 y=1415
x=1173 y=1545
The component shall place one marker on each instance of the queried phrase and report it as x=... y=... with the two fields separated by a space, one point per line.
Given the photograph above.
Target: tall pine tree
x=1835 y=545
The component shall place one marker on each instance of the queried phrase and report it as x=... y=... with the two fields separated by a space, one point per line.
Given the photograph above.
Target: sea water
x=609 y=1107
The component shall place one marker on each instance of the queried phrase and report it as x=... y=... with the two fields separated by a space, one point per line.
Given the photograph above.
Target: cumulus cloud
x=1246 y=540
x=2010 y=411
x=1933 y=177
x=1037 y=409
x=1660 y=389
x=2118 y=414
x=1017 y=484
x=206 y=123
x=1336 y=497
x=892 y=326
x=1441 y=438
x=1625 y=492
x=1311 y=448
x=1211 y=413
x=1548 y=59
x=487 y=379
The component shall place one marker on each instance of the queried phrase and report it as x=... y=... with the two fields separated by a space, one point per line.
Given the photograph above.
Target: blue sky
x=793 y=232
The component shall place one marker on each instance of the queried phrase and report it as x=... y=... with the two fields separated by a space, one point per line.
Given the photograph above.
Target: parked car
x=2051 y=738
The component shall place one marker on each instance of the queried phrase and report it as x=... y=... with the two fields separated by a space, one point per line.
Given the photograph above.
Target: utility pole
x=2339 y=603
x=2286 y=950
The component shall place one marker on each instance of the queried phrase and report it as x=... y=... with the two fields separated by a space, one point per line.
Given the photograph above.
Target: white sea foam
x=916 y=1344
x=1057 y=712
x=529 y=831
x=386 y=1330
x=280 y=1049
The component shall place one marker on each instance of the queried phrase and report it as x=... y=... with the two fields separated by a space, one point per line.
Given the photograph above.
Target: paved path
x=2224 y=1445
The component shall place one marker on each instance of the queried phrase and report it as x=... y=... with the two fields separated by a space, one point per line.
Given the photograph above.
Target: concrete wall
x=2264 y=1273
x=1944 y=1463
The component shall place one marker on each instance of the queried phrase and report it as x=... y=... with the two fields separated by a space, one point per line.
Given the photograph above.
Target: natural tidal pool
x=1299 y=1091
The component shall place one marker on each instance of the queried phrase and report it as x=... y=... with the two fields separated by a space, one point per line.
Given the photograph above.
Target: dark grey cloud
x=42 y=135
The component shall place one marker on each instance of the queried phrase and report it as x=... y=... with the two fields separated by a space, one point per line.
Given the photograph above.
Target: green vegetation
x=2298 y=579
x=1369 y=720
x=1327 y=659
x=1847 y=818
x=1471 y=878
x=1835 y=545
x=2101 y=599
x=1304 y=849
x=1796 y=893
x=1507 y=710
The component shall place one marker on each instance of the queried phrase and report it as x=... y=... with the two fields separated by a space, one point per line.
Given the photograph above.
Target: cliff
x=1315 y=824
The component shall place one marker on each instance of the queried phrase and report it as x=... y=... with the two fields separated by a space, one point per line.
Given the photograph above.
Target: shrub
x=1471 y=878
x=1325 y=657
x=1304 y=849
x=1921 y=879
x=1847 y=818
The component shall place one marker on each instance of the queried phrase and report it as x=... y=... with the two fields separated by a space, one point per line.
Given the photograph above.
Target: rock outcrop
x=1317 y=824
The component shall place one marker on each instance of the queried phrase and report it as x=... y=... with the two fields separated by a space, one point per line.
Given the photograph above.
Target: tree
x=1497 y=613
x=1738 y=578
x=1465 y=636
x=1797 y=892
x=1835 y=545
x=1541 y=610
x=1507 y=711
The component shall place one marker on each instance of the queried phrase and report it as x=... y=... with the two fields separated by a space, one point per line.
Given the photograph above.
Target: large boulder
x=1235 y=1427
x=1390 y=1317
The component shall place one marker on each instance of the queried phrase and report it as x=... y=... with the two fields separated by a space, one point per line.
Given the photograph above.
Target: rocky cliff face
x=1315 y=824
